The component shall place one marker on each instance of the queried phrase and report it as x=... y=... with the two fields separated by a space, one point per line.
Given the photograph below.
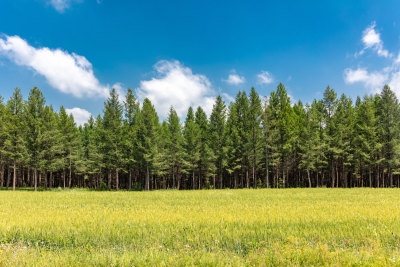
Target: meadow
x=260 y=227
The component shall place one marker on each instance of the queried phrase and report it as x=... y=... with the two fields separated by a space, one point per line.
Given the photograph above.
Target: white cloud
x=372 y=39
x=68 y=73
x=81 y=116
x=373 y=80
x=397 y=61
x=265 y=77
x=60 y=5
x=376 y=79
x=227 y=98
x=235 y=79
x=177 y=86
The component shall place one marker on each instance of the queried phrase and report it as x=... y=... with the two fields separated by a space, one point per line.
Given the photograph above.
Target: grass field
x=216 y=227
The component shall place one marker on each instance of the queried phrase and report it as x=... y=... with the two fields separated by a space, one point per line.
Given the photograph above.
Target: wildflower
x=187 y=246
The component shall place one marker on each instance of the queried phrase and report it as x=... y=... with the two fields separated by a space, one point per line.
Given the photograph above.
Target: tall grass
x=216 y=227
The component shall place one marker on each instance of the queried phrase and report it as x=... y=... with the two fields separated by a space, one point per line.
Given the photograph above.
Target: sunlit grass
x=216 y=227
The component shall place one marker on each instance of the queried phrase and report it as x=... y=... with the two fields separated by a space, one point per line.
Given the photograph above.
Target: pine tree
x=191 y=134
x=243 y=127
x=149 y=138
x=389 y=130
x=34 y=109
x=162 y=162
x=270 y=134
x=281 y=113
x=309 y=143
x=3 y=138
x=255 y=143
x=70 y=144
x=175 y=149
x=365 y=137
x=217 y=137
x=14 y=124
x=233 y=146
x=206 y=162
x=317 y=112
x=330 y=105
x=113 y=135
x=51 y=145
x=130 y=133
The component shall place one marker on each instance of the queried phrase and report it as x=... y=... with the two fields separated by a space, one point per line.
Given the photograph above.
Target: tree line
x=249 y=143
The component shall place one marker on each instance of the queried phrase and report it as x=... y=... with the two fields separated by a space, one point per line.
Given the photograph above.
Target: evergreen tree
x=149 y=138
x=191 y=134
x=34 y=109
x=243 y=127
x=175 y=149
x=51 y=146
x=281 y=114
x=14 y=124
x=309 y=143
x=255 y=144
x=3 y=138
x=389 y=131
x=130 y=133
x=233 y=146
x=70 y=144
x=330 y=105
x=206 y=162
x=113 y=135
x=217 y=137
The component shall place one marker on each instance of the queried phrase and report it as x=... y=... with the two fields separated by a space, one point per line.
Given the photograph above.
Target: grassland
x=216 y=227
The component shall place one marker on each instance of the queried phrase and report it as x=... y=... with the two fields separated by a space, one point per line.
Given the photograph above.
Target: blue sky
x=186 y=52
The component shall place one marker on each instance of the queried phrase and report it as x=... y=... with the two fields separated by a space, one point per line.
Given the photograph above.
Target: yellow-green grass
x=213 y=228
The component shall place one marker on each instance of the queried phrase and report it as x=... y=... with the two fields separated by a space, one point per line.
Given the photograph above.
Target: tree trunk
x=70 y=173
x=309 y=178
x=247 y=179
x=130 y=180
x=147 y=182
x=109 y=180
x=51 y=180
x=8 y=178
x=1 y=174
x=116 y=179
x=220 y=180
x=173 y=177
x=193 y=180
x=254 y=177
x=15 y=174
x=213 y=181
x=64 y=178
x=35 y=178
x=337 y=177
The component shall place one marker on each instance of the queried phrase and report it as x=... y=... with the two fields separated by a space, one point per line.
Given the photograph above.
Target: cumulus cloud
x=81 y=116
x=373 y=80
x=176 y=85
x=68 y=73
x=265 y=77
x=235 y=79
x=372 y=39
